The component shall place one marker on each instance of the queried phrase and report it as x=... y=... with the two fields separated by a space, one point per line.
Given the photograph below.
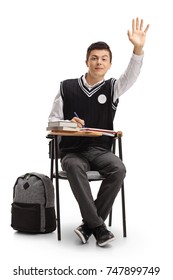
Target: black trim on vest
x=88 y=92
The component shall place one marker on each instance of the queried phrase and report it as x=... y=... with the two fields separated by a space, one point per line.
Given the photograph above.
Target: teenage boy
x=95 y=100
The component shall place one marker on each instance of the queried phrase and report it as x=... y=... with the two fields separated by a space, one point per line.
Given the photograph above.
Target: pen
x=76 y=115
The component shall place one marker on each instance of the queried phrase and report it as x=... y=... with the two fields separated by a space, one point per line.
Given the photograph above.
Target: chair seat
x=92 y=175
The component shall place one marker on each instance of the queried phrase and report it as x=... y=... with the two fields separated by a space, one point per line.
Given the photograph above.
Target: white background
x=44 y=42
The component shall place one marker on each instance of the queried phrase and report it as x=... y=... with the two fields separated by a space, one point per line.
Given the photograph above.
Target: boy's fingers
x=79 y=121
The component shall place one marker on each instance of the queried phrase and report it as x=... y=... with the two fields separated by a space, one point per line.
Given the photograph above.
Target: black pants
x=94 y=213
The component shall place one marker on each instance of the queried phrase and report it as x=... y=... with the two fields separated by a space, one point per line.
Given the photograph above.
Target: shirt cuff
x=137 y=57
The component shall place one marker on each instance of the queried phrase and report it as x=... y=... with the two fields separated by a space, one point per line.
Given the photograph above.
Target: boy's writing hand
x=80 y=122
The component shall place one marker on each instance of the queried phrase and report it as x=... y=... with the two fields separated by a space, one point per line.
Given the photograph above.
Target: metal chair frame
x=54 y=155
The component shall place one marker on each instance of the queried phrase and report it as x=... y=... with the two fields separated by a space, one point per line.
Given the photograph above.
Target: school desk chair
x=92 y=176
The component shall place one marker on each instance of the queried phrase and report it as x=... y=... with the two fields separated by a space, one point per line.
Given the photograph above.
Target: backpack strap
x=48 y=187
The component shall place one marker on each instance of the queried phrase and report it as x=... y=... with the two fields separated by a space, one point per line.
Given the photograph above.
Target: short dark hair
x=99 y=46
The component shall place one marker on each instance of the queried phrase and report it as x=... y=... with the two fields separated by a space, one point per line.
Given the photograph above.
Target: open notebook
x=104 y=131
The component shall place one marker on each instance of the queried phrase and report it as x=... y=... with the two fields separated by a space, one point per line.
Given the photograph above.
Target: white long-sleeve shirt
x=122 y=84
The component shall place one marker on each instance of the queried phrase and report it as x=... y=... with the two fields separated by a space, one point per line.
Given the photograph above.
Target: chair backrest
x=51 y=145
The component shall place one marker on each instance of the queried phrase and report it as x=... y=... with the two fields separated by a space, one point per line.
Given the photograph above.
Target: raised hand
x=138 y=36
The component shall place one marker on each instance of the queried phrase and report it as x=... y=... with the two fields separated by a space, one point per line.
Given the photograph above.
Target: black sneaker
x=102 y=235
x=83 y=232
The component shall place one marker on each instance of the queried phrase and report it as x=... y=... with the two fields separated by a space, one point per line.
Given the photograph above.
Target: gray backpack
x=33 y=208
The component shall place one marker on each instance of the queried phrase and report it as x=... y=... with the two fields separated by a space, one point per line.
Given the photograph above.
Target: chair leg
x=122 y=191
x=110 y=218
x=123 y=211
x=57 y=188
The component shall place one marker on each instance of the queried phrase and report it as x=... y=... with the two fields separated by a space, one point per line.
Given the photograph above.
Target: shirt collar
x=89 y=86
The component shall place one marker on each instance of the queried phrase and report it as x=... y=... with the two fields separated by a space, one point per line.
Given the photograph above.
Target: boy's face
x=98 y=63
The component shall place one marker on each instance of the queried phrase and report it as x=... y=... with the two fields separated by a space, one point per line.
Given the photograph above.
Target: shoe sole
x=106 y=242
x=80 y=236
